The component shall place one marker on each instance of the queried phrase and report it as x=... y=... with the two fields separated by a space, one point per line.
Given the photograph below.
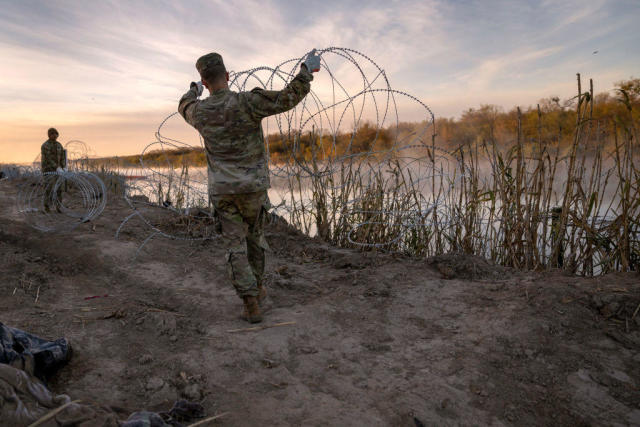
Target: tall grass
x=533 y=204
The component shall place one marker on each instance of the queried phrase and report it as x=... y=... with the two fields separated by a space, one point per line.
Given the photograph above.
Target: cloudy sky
x=108 y=72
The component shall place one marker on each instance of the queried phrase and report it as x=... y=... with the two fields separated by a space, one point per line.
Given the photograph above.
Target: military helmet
x=52 y=131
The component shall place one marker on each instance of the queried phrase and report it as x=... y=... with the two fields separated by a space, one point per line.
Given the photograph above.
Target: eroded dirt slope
x=377 y=340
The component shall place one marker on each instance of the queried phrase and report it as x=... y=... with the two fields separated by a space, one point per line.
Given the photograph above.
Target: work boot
x=251 y=311
x=262 y=296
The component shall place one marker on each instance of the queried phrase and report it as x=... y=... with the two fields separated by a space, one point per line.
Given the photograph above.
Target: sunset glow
x=108 y=73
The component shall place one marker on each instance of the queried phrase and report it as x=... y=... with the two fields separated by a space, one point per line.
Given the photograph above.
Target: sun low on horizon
x=108 y=73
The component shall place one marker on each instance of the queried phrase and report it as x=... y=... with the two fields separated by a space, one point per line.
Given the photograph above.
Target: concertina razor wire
x=174 y=203
x=335 y=112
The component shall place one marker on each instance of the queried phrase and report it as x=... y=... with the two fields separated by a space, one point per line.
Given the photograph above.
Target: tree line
x=551 y=121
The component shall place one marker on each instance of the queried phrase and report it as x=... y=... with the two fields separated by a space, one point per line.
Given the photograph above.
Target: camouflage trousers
x=48 y=198
x=242 y=217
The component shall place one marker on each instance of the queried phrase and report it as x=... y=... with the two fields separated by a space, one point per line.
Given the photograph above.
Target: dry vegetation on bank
x=552 y=186
x=549 y=187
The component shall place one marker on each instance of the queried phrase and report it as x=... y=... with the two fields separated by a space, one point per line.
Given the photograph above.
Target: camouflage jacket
x=229 y=122
x=52 y=156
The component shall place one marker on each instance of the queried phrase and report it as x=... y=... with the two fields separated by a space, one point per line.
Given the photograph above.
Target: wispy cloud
x=128 y=61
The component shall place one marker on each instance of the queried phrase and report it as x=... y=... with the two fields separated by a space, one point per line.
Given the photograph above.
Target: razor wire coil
x=60 y=201
x=332 y=117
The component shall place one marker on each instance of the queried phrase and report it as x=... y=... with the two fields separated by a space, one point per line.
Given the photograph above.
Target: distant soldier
x=52 y=159
x=230 y=123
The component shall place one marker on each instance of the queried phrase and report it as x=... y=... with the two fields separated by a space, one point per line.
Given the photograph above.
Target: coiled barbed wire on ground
x=15 y=171
x=60 y=201
x=350 y=93
x=79 y=155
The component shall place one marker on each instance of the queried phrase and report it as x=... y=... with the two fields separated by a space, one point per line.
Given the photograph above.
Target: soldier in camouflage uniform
x=51 y=160
x=230 y=123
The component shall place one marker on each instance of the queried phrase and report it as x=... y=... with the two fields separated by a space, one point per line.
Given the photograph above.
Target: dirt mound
x=349 y=338
x=465 y=266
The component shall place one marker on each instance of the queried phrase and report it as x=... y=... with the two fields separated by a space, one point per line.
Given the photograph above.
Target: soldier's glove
x=59 y=169
x=198 y=86
x=312 y=62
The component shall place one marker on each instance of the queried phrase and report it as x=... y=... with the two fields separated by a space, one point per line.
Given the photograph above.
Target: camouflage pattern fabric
x=52 y=156
x=242 y=218
x=48 y=199
x=229 y=122
x=24 y=400
x=209 y=61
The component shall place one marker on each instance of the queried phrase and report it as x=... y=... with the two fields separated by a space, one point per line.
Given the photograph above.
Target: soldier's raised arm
x=264 y=103
x=188 y=102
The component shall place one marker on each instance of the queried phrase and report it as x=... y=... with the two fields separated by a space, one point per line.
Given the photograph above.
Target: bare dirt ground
x=378 y=339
